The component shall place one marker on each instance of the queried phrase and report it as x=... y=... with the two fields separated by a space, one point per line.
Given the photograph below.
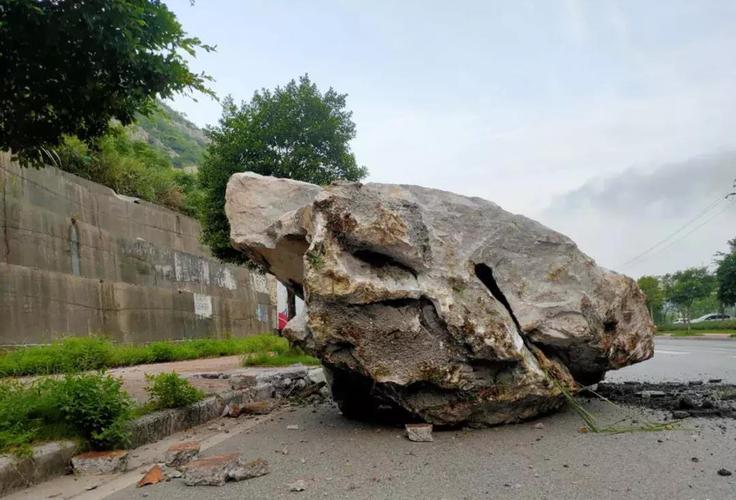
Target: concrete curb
x=156 y=426
x=47 y=460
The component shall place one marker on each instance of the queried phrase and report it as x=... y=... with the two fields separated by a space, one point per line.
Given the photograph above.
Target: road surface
x=339 y=458
x=684 y=359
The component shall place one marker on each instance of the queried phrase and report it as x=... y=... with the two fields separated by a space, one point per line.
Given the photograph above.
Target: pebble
x=292 y=427
x=539 y=425
x=724 y=472
x=296 y=486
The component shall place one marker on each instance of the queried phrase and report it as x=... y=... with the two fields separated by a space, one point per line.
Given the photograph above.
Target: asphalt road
x=684 y=359
x=339 y=458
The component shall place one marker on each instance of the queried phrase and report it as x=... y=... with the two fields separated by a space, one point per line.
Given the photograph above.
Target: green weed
x=169 y=390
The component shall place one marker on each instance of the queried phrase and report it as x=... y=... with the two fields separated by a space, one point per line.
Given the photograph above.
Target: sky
x=610 y=121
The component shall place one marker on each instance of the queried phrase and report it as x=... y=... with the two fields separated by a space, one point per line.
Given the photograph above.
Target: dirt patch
x=682 y=400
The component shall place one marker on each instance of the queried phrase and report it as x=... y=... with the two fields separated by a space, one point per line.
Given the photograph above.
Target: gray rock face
x=443 y=306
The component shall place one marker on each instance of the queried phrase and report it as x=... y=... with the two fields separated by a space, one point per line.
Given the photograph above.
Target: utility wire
x=700 y=214
x=695 y=229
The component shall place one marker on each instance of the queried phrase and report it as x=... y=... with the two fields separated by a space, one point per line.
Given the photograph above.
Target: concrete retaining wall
x=76 y=258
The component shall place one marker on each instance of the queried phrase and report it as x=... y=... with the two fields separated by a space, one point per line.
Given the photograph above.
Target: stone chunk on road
x=216 y=470
x=263 y=407
x=181 y=453
x=210 y=471
x=297 y=486
x=420 y=433
x=249 y=469
x=100 y=462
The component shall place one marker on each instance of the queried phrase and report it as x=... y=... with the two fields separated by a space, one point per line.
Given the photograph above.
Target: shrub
x=169 y=390
x=92 y=407
x=96 y=406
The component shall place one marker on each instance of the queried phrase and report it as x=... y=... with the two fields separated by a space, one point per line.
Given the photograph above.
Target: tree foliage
x=68 y=67
x=726 y=276
x=293 y=131
x=684 y=287
x=652 y=289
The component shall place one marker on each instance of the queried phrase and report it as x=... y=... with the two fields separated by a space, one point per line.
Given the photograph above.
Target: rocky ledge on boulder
x=442 y=306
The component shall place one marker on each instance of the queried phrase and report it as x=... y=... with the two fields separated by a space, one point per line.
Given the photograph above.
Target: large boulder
x=442 y=306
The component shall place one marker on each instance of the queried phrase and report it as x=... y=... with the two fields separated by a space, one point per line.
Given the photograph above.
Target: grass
x=694 y=333
x=76 y=354
x=681 y=333
x=593 y=425
x=290 y=357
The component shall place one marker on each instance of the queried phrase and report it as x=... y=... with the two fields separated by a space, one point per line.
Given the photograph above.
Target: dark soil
x=682 y=400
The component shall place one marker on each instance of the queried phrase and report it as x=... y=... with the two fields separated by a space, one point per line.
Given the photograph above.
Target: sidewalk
x=210 y=375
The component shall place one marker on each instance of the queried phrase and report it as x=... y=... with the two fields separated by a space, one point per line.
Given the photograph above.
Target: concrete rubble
x=181 y=453
x=100 y=462
x=216 y=470
x=443 y=307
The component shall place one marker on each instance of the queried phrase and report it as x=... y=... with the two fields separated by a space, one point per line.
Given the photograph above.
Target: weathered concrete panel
x=76 y=258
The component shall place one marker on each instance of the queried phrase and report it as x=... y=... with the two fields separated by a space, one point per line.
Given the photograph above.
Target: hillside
x=170 y=132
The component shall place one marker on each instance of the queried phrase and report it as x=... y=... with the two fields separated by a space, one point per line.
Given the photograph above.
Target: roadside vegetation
x=76 y=354
x=131 y=167
x=694 y=292
x=92 y=408
x=726 y=326
x=286 y=357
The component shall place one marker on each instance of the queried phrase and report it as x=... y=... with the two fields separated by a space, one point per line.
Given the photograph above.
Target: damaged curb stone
x=419 y=433
x=100 y=462
x=181 y=453
x=46 y=460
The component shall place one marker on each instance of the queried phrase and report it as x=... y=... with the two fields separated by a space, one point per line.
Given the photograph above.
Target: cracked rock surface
x=444 y=307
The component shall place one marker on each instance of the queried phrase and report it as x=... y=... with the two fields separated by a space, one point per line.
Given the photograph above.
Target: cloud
x=617 y=218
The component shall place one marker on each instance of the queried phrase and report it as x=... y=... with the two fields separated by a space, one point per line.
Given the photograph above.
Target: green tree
x=726 y=276
x=68 y=67
x=685 y=287
x=293 y=131
x=652 y=289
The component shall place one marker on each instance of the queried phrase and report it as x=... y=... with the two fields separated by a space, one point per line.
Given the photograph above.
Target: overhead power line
x=710 y=219
x=682 y=228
